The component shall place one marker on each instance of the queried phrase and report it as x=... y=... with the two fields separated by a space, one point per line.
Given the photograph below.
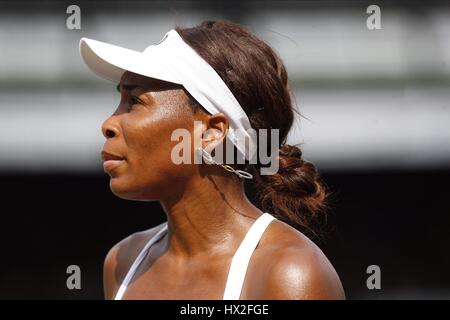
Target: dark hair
x=257 y=78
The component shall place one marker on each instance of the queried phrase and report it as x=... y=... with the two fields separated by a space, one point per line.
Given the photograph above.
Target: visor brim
x=110 y=62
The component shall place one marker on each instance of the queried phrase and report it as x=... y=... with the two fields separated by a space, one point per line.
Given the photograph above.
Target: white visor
x=173 y=60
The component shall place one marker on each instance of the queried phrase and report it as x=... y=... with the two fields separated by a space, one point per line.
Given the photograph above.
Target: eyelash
x=133 y=101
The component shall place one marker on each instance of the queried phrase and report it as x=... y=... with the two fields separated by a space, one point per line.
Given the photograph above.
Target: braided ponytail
x=258 y=79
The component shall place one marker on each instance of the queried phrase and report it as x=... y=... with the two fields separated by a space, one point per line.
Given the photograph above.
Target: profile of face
x=138 y=138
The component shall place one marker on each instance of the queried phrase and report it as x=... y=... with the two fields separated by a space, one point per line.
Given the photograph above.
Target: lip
x=110 y=156
x=111 y=161
x=110 y=165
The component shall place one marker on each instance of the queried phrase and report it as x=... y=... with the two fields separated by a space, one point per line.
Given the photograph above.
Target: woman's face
x=139 y=133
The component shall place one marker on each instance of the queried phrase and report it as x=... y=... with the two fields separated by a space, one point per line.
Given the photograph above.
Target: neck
x=210 y=215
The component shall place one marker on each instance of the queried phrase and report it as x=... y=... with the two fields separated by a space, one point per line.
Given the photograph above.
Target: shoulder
x=120 y=258
x=290 y=266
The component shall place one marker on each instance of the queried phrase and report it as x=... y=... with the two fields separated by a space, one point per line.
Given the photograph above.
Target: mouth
x=111 y=161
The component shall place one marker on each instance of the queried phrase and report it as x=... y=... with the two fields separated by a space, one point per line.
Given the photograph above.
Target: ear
x=216 y=130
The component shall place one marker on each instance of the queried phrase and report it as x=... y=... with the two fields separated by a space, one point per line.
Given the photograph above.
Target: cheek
x=147 y=141
x=149 y=146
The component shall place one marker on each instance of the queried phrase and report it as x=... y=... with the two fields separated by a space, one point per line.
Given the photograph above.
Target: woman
x=215 y=244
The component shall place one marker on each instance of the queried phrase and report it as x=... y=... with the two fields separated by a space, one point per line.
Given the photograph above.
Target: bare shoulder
x=120 y=258
x=288 y=265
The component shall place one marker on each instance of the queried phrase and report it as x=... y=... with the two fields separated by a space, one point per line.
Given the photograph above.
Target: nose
x=109 y=129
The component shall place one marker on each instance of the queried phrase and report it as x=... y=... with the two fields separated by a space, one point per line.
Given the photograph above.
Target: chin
x=128 y=191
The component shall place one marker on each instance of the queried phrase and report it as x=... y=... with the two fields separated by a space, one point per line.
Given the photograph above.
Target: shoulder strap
x=241 y=258
x=138 y=261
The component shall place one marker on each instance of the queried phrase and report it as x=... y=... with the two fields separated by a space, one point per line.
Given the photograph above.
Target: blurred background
x=376 y=123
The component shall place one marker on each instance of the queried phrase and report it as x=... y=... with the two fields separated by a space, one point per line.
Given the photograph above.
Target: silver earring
x=209 y=160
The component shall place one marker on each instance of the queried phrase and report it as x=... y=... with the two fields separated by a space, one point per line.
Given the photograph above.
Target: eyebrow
x=126 y=87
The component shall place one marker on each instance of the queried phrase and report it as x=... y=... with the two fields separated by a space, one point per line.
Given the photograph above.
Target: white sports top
x=239 y=263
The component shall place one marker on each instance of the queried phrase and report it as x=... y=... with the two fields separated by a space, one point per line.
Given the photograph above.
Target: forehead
x=133 y=79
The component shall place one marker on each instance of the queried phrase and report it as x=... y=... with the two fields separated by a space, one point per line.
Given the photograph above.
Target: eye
x=133 y=101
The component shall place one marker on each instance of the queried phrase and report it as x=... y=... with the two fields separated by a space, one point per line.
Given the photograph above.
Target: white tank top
x=239 y=263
